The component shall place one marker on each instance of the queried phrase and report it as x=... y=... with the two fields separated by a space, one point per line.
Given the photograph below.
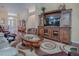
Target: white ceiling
x=21 y=7
x=15 y=7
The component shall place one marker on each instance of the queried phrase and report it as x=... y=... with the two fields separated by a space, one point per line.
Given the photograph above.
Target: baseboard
x=75 y=44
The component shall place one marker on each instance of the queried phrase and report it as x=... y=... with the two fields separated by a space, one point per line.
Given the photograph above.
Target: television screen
x=52 y=21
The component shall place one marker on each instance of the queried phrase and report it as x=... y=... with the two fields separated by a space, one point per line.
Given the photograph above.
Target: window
x=10 y=24
x=32 y=9
x=1 y=21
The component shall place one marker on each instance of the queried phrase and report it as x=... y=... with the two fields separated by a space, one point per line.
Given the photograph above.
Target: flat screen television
x=52 y=21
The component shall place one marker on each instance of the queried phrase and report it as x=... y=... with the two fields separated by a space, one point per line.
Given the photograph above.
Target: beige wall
x=75 y=17
x=3 y=16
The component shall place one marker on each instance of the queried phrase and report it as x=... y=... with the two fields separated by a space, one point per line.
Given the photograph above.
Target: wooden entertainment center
x=56 y=25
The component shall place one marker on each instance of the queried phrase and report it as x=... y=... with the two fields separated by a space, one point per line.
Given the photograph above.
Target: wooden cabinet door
x=55 y=33
x=49 y=32
x=65 y=35
x=41 y=31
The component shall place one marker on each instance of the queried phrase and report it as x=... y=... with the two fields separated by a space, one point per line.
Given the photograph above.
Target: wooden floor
x=75 y=44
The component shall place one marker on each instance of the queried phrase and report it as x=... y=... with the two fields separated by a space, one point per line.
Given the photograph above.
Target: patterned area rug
x=48 y=47
x=67 y=48
x=20 y=46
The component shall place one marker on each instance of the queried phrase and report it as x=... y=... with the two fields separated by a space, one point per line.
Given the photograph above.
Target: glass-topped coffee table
x=32 y=41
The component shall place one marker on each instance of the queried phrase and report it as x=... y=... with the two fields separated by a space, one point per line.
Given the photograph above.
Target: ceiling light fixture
x=12 y=14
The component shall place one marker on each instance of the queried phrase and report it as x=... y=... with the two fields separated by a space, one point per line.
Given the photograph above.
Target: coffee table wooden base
x=31 y=43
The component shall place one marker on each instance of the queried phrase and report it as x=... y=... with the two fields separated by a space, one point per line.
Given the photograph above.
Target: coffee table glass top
x=31 y=37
